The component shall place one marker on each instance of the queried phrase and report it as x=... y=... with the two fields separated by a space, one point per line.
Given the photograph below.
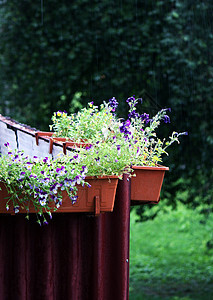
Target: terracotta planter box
x=63 y=141
x=96 y=199
x=146 y=186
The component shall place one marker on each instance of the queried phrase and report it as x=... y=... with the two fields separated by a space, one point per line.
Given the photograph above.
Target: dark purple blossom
x=33 y=176
x=131 y=101
x=77 y=179
x=88 y=147
x=118 y=149
x=61 y=171
x=84 y=168
x=54 y=188
x=113 y=103
x=166 y=119
x=127 y=123
x=54 y=197
x=133 y=114
x=124 y=128
x=45 y=160
x=16 y=158
x=145 y=118
x=74 y=199
x=30 y=186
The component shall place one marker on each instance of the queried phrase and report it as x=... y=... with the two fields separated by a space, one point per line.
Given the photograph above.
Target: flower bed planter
x=146 y=185
x=96 y=199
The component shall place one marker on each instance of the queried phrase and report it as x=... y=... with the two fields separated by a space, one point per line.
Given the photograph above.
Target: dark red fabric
x=75 y=257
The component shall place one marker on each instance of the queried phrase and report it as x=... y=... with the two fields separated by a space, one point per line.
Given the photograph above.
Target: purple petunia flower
x=113 y=103
x=166 y=119
x=133 y=115
x=124 y=128
x=131 y=100
x=128 y=123
x=145 y=117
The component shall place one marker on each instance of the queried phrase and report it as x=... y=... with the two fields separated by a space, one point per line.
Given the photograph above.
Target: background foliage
x=60 y=55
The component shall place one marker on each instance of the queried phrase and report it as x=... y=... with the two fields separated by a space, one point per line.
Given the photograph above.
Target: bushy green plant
x=112 y=147
x=135 y=138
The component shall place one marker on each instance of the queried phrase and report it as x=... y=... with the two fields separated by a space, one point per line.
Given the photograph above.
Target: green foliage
x=171 y=255
x=65 y=54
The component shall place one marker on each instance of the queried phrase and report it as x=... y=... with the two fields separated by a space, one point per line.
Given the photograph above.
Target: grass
x=171 y=257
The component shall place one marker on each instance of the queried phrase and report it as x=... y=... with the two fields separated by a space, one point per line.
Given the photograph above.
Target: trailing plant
x=39 y=182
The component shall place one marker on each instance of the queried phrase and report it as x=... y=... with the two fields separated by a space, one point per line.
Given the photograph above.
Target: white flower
x=43 y=202
x=131 y=129
x=105 y=132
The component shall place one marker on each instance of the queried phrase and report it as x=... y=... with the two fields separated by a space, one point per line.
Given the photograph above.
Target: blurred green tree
x=60 y=55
